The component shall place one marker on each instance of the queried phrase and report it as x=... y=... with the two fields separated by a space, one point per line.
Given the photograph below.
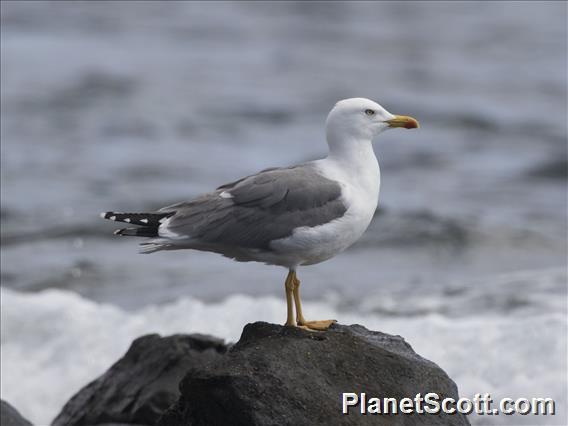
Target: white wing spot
x=144 y=220
x=127 y=220
x=225 y=194
x=112 y=218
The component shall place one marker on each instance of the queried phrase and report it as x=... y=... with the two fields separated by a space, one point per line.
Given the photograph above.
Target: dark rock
x=280 y=375
x=9 y=416
x=142 y=384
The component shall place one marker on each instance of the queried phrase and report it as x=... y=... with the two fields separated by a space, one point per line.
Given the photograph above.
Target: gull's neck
x=353 y=154
x=354 y=162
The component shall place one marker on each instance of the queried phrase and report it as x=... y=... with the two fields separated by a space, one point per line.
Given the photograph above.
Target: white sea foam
x=55 y=341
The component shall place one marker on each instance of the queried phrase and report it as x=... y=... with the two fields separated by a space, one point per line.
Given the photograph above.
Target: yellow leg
x=289 y=288
x=299 y=316
x=311 y=325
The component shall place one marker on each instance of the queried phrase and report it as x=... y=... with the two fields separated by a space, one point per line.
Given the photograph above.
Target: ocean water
x=132 y=106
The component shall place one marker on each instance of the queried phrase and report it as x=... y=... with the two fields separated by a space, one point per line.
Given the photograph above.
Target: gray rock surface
x=9 y=416
x=142 y=384
x=273 y=375
x=280 y=375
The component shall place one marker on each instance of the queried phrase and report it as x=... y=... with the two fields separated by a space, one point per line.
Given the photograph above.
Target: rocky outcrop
x=280 y=375
x=9 y=416
x=273 y=375
x=142 y=384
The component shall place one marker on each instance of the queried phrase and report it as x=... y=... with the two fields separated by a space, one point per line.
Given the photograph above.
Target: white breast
x=360 y=193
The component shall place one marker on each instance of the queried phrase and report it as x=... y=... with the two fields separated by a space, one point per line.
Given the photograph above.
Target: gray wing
x=262 y=208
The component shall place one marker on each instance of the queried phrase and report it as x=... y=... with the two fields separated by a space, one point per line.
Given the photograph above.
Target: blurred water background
x=134 y=105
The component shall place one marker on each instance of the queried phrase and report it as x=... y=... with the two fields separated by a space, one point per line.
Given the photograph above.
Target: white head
x=361 y=119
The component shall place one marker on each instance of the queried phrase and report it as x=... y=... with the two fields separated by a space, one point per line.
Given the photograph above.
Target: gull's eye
x=369 y=112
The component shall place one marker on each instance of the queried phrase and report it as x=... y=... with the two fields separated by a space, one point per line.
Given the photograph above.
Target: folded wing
x=253 y=211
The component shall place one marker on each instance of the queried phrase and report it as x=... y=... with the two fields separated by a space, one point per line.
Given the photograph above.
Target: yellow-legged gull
x=292 y=216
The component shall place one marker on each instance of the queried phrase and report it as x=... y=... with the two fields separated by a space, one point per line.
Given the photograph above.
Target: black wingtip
x=152 y=220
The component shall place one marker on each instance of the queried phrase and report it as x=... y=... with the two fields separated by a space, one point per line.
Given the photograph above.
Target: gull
x=286 y=216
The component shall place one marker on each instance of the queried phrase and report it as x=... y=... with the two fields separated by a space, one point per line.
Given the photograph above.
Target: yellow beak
x=403 y=121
